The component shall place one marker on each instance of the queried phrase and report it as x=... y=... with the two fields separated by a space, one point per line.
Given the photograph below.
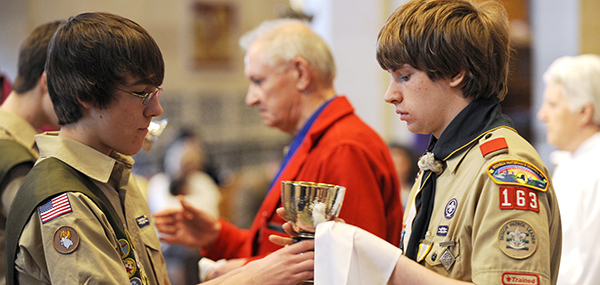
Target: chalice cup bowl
x=308 y=204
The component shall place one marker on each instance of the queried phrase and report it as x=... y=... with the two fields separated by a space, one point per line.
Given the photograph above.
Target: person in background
x=482 y=210
x=22 y=115
x=184 y=176
x=291 y=72
x=405 y=161
x=571 y=111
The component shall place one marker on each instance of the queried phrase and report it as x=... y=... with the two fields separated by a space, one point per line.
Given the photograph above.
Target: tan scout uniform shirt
x=14 y=128
x=478 y=231
x=97 y=259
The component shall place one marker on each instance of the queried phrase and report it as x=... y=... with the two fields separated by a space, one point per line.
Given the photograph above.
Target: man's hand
x=187 y=226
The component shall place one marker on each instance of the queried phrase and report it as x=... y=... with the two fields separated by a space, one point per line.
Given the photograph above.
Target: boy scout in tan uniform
x=78 y=217
x=23 y=113
x=483 y=209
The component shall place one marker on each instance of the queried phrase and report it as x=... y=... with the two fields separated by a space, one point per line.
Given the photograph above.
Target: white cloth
x=576 y=181
x=346 y=254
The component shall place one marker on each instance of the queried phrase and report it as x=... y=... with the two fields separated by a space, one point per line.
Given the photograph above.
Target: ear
x=457 y=79
x=87 y=105
x=303 y=73
x=43 y=83
x=586 y=114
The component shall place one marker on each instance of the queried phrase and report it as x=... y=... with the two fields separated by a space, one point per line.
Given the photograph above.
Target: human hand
x=289 y=229
x=289 y=265
x=187 y=226
x=228 y=266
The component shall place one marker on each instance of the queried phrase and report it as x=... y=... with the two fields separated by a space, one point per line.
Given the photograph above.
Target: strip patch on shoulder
x=520 y=278
x=518 y=172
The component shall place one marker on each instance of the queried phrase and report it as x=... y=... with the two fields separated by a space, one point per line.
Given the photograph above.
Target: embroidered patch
x=142 y=221
x=124 y=248
x=450 y=209
x=518 y=278
x=514 y=197
x=518 y=173
x=517 y=239
x=56 y=207
x=442 y=231
x=65 y=239
x=130 y=266
x=492 y=145
x=135 y=281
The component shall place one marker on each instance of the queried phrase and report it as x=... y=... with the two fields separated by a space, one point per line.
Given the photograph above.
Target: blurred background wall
x=204 y=86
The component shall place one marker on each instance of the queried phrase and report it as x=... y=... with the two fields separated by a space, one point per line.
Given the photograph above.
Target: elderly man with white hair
x=571 y=111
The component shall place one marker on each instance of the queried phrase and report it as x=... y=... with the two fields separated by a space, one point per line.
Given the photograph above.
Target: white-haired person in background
x=571 y=111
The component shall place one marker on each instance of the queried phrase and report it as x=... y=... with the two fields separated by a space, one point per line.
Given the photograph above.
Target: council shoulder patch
x=65 y=239
x=517 y=239
x=519 y=173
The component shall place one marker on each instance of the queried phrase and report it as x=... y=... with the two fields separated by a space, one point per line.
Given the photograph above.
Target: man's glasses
x=146 y=96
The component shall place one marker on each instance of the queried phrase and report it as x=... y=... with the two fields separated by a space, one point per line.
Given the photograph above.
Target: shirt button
x=434 y=257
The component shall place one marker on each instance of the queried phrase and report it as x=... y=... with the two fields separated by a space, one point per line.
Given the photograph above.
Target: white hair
x=286 y=39
x=580 y=78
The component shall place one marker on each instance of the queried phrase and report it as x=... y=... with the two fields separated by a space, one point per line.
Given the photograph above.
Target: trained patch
x=65 y=239
x=517 y=239
x=521 y=198
x=56 y=207
x=519 y=278
x=518 y=173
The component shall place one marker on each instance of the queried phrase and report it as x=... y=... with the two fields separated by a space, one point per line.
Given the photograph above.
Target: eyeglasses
x=146 y=96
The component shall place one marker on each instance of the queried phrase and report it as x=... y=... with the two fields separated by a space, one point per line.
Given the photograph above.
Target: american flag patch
x=56 y=207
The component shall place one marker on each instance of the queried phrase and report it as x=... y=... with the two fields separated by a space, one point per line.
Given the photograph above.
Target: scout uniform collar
x=478 y=118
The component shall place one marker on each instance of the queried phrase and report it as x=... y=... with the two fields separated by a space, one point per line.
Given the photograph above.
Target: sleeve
x=89 y=249
x=513 y=234
x=372 y=198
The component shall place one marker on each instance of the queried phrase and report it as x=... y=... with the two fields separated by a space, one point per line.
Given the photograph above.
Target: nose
x=154 y=109
x=251 y=98
x=392 y=95
x=541 y=114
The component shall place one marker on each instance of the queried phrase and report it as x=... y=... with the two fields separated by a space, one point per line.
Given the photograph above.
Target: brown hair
x=445 y=37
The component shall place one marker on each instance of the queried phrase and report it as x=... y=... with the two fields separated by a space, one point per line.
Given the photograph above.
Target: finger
x=301 y=246
x=279 y=240
x=281 y=212
x=166 y=229
x=166 y=213
x=287 y=227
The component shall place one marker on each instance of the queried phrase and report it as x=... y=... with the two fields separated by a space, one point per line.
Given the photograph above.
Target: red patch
x=493 y=145
x=518 y=278
x=521 y=198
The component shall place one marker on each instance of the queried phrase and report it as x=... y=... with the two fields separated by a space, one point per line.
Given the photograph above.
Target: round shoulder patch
x=517 y=239
x=66 y=239
x=518 y=172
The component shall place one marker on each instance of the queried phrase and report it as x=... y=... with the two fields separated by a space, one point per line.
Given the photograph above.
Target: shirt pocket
x=153 y=249
x=444 y=254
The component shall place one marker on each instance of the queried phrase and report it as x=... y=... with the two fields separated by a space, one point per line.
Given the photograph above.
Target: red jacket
x=338 y=149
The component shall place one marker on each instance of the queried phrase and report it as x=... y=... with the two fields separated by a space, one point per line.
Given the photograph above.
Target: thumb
x=188 y=210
